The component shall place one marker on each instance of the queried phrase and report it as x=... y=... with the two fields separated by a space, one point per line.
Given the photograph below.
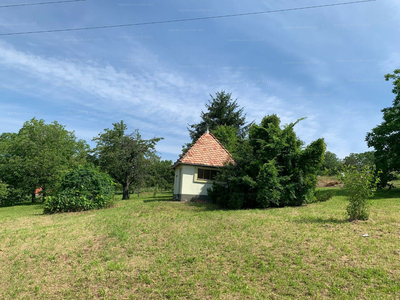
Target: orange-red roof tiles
x=207 y=151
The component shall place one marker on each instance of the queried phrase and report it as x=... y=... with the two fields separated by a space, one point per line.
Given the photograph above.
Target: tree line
x=39 y=155
x=273 y=166
x=332 y=164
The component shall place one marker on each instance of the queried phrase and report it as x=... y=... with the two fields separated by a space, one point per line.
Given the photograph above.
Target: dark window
x=206 y=174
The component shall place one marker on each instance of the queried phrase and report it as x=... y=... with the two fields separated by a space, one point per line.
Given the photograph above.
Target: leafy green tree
x=331 y=164
x=272 y=169
x=221 y=110
x=359 y=160
x=385 y=137
x=38 y=156
x=361 y=184
x=124 y=156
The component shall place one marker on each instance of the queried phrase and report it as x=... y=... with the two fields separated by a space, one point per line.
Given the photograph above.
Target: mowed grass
x=154 y=248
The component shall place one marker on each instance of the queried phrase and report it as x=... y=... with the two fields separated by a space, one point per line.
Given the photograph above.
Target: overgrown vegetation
x=83 y=188
x=271 y=169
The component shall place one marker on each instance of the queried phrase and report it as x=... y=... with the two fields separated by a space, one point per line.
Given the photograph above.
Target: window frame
x=201 y=180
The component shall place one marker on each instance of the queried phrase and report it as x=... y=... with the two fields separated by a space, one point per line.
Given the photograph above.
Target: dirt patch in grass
x=328 y=181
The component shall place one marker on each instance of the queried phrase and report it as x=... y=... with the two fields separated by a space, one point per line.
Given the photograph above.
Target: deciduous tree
x=124 y=156
x=385 y=138
x=331 y=164
x=359 y=160
x=38 y=156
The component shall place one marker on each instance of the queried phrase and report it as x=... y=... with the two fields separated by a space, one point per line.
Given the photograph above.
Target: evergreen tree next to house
x=222 y=110
x=272 y=169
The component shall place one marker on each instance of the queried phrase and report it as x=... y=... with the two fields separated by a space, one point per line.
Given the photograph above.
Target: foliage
x=385 y=137
x=359 y=160
x=272 y=169
x=160 y=174
x=321 y=196
x=4 y=193
x=83 y=188
x=221 y=110
x=330 y=165
x=361 y=185
x=227 y=135
x=124 y=156
x=38 y=156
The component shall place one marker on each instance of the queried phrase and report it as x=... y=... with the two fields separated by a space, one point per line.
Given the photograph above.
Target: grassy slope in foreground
x=151 y=248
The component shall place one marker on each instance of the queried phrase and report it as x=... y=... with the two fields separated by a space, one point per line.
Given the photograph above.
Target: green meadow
x=153 y=248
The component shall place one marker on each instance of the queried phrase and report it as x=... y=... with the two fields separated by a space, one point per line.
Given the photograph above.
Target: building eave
x=197 y=165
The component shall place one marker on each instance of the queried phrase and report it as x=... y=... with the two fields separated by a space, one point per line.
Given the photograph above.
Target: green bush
x=83 y=188
x=272 y=169
x=321 y=196
x=361 y=185
x=219 y=195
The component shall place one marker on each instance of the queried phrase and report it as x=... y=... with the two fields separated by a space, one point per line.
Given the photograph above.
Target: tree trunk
x=125 y=193
x=33 y=197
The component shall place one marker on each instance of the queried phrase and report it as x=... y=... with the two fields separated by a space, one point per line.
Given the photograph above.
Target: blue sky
x=325 y=64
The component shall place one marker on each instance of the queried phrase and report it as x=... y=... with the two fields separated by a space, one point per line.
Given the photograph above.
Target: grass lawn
x=151 y=247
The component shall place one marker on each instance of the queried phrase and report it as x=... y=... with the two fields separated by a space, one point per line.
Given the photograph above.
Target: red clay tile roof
x=207 y=151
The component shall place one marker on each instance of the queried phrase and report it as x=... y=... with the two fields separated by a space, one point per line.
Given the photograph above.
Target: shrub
x=361 y=185
x=321 y=196
x=219 y=195
x=83 y=188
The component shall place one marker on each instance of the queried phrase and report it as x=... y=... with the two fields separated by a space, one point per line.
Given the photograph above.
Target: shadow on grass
x=161 y=198
x=379 y=194
x=319 y=220
x=340 y=192
x=205 y=206
x=22 y=204
x=386 y=194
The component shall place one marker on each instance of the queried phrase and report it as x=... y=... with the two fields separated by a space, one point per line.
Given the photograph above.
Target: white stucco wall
x=177 y=180
x=188 y=185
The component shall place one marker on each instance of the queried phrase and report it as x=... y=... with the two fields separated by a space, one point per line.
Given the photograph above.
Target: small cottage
x=195 y=171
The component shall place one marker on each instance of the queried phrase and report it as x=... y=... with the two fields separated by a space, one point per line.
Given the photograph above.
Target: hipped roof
x=207 y=151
